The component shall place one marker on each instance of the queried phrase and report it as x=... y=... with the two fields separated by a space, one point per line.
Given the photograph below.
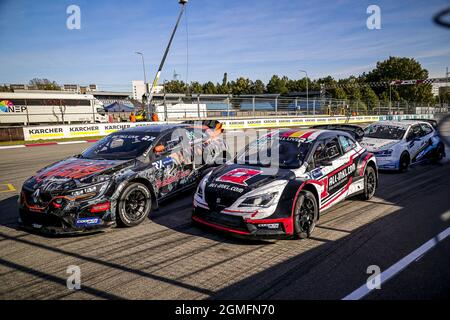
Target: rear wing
x=433 y=123
x=356 y=131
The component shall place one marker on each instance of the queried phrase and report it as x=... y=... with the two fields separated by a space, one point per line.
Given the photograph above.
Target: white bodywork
x=388 y=152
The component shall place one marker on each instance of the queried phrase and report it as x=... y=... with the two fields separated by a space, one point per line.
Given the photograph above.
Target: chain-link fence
x=173 y=107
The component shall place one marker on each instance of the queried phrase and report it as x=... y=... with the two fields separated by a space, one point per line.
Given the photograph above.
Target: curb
x=32 y=145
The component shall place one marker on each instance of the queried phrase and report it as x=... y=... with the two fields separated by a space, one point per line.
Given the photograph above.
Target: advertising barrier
x=101 y=129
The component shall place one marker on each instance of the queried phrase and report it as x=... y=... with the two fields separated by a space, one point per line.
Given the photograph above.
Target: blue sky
x=251 y=38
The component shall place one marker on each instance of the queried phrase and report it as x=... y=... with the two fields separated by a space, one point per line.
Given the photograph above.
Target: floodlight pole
x=161 y=65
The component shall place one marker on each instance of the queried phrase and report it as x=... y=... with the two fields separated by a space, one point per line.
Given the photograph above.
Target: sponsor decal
x=74 y=169
x=340 y=177
x=178 y=176
x=163 y=163
x=116 y=127
x=226 y=187
x=239 y=176
x=88 y=222
x=8 y=106
x=45 y=131
x=84 y=130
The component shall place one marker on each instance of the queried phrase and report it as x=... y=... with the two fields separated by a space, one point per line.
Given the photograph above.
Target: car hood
x=229 y=182
x=373 y=144
x=74 y=172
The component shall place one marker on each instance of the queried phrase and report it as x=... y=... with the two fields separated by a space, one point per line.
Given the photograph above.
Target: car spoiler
x=356 y=131
x=212 y=124
x=433 y=123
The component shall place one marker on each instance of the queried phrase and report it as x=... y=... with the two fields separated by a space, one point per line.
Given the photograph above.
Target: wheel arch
x=150 y=187
x=372 y=164
x=311 y=188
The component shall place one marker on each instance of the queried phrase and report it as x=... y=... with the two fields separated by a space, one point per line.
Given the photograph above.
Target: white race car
x=397 y=145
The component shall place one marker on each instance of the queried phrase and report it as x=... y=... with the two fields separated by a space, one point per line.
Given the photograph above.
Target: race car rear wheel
x=370 y=183
x=305 y=215
x=439 y=153
x=404 y=162
x=134 y=205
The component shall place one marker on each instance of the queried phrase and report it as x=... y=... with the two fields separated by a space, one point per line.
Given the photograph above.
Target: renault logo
x=36 y=195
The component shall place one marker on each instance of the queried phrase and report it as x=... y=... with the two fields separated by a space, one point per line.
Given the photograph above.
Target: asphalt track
x=168 y=258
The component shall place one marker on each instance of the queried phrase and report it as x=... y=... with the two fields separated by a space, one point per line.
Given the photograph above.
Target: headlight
x=384 y=153
x=263 y=200
x=95 y=189
x=263 y=197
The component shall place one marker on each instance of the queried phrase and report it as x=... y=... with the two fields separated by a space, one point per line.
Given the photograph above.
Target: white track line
x=12 y=147
x=400 y=265
x=72 y=142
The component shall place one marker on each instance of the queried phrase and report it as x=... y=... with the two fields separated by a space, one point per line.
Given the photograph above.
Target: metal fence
x=172 y=107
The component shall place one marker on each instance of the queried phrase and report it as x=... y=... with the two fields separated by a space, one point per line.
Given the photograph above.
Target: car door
x=330 y=171
x=168 y=164
x=415 y=141
x=426 y=141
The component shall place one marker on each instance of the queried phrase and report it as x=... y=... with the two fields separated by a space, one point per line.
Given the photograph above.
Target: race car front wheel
x=370 y=183
x=134 y=205
x=305 y=215
x=404 y=162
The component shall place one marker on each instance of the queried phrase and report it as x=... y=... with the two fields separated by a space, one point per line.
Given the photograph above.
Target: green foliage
x=398 y=68
x=44 y=84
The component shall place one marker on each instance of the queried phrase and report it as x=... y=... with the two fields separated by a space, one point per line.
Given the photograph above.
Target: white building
x=436 y=87
x=139 y=89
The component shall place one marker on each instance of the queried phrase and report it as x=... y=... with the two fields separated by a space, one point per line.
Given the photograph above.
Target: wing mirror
x=159 y=148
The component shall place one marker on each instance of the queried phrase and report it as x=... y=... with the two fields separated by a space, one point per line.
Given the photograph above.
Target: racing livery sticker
x=239 y=176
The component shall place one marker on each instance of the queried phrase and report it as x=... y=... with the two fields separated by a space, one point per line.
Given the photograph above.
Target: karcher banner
x=103 y=129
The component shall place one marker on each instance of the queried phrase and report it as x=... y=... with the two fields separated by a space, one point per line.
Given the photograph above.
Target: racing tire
x=404 y=162
x=370 y=183
x=306 y=214
x=134 y=205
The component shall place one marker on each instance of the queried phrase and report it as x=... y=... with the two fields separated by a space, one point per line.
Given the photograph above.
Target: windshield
x=278 y=151
x=120 y=146
x=385 y=132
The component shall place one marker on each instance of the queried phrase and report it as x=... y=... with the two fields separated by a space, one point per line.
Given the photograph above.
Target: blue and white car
x=397 y=145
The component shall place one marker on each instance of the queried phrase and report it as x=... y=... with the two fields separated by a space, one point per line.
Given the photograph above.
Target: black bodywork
x=48 y=202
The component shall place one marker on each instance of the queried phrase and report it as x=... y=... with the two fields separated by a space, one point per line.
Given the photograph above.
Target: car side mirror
x=159 y=148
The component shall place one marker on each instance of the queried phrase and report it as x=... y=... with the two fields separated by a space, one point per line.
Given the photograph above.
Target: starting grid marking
x=398 y=267
x=7 y=187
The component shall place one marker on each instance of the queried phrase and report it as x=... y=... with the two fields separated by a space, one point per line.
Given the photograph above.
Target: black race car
x=121 y=178
x=280 y=184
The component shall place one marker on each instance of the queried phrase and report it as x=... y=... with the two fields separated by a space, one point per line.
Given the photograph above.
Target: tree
x=369 y=96
x=5 y=88
x=175 y=86
x=209 y=88
x=196 y=87
x=396 y=68
x=257 y=87
x=241 y=86
x=44 y=84
x=278 y=85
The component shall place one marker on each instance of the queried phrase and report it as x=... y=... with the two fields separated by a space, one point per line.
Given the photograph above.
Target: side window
x=332 y=149
x=327 y=150
x=414 y=132
x=168 y=142
x=319 y=153
x=426 y=129
x=347 y=143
